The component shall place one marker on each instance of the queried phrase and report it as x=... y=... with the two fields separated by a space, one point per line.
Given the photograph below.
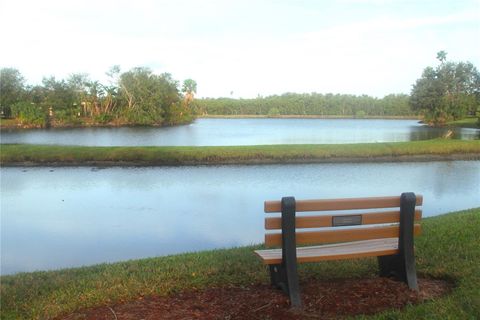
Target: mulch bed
x=322 y=300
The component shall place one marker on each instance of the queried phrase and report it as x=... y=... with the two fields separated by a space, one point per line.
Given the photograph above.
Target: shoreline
x=12 y=125
x=248 y=162
x=19 y=127
x=296 y=116
x=23 y=155
x=446 y=249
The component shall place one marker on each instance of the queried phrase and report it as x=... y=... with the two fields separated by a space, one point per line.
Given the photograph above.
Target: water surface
x=219 y=132
x=65 y=217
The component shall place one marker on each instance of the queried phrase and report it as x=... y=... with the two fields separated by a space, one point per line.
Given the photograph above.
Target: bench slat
x=339 y=235
x=326 y=220
x=341 y=204
x=346 y=250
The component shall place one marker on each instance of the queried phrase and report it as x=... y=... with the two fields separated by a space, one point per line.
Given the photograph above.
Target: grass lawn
x=448 y=248
x=79 y=155
x=472 y=122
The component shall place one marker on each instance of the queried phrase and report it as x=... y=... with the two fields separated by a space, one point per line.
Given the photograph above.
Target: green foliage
x=273 y=112
x=137 y=97
x=189 y=86
x=310 y=104
x=469 y=122
x=58 y=94
x=103 y=118
x=142 y=117
x=449 y=92
x=177 y=114
x=360 y=114
x=30 y=114
x=149 y=98
x=12 y=87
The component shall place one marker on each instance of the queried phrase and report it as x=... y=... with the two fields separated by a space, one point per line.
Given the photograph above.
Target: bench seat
x=345 y=250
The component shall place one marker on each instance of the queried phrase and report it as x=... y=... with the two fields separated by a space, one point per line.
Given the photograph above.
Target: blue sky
x=246 y=47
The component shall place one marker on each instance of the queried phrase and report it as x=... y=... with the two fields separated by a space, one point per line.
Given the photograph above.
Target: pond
x=66 y=217
x=218 y=132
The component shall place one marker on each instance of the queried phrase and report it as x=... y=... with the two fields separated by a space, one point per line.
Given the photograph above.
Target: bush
x=273 y=112
x=68 y=117
x=143 y=118
x=29 y=114
x=360 y=114
x=5 y=112
x=103 y=118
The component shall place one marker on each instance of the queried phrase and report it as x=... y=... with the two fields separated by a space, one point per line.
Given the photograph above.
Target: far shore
x=304 y=116
x=13 y=124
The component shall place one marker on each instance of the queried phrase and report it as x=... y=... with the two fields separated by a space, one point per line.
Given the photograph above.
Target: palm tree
x=442 y=56
x=189 y=88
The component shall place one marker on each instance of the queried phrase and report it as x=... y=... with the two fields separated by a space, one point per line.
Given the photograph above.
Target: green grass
x=78 y=155
x=8 y=123
x=472 y=122
x=448 y=248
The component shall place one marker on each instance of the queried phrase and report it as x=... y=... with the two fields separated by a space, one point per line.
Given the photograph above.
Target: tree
x=189 y=88
x=59 y=94
x=12 y=89
x=78 y=84
x=149 y=98
x=442 y=56
x=448 y=92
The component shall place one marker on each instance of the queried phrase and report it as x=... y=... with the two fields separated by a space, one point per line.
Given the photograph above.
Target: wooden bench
x=345 y=234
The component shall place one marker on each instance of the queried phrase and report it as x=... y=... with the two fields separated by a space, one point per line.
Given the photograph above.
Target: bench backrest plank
x=340 y=204
x=368 y=225
x=273 y=223
x=343 y=235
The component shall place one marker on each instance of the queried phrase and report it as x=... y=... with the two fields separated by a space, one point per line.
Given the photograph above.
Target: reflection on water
x=63 y=217
x=218 y=132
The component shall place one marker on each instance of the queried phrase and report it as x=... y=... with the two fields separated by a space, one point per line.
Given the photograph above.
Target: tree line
x=134 y=97
x=447 y=92
x=451 y=91
x=310 y=104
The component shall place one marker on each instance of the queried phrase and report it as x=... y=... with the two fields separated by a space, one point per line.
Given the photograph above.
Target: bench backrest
x=346 y=213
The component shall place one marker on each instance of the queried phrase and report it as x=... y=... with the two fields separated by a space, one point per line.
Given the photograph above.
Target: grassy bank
x=472 y=122
x=20 y=154
x=449 y=248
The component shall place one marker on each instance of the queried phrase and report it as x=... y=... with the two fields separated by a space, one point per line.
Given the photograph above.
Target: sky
x=245 y=48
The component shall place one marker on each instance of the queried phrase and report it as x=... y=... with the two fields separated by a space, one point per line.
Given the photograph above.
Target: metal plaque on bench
x=342 y=221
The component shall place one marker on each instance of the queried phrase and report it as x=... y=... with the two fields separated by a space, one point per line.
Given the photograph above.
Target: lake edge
x=380 y=159
x=18 y=155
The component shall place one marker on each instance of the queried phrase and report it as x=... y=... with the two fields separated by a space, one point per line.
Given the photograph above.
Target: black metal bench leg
x=390 y=266
x=282 y=279
x=402 y=265
x=278 y=277
x=289 y=251
x=293 y=285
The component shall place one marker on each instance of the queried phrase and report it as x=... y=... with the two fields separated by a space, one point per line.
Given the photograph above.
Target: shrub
x=29 y=114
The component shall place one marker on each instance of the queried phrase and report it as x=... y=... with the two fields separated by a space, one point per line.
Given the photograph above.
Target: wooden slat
x=341 y=204
x=348 y=250
x=326 y=220
x=339 y=235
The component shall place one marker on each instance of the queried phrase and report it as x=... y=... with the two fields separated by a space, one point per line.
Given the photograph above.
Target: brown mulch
x=322 y=300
